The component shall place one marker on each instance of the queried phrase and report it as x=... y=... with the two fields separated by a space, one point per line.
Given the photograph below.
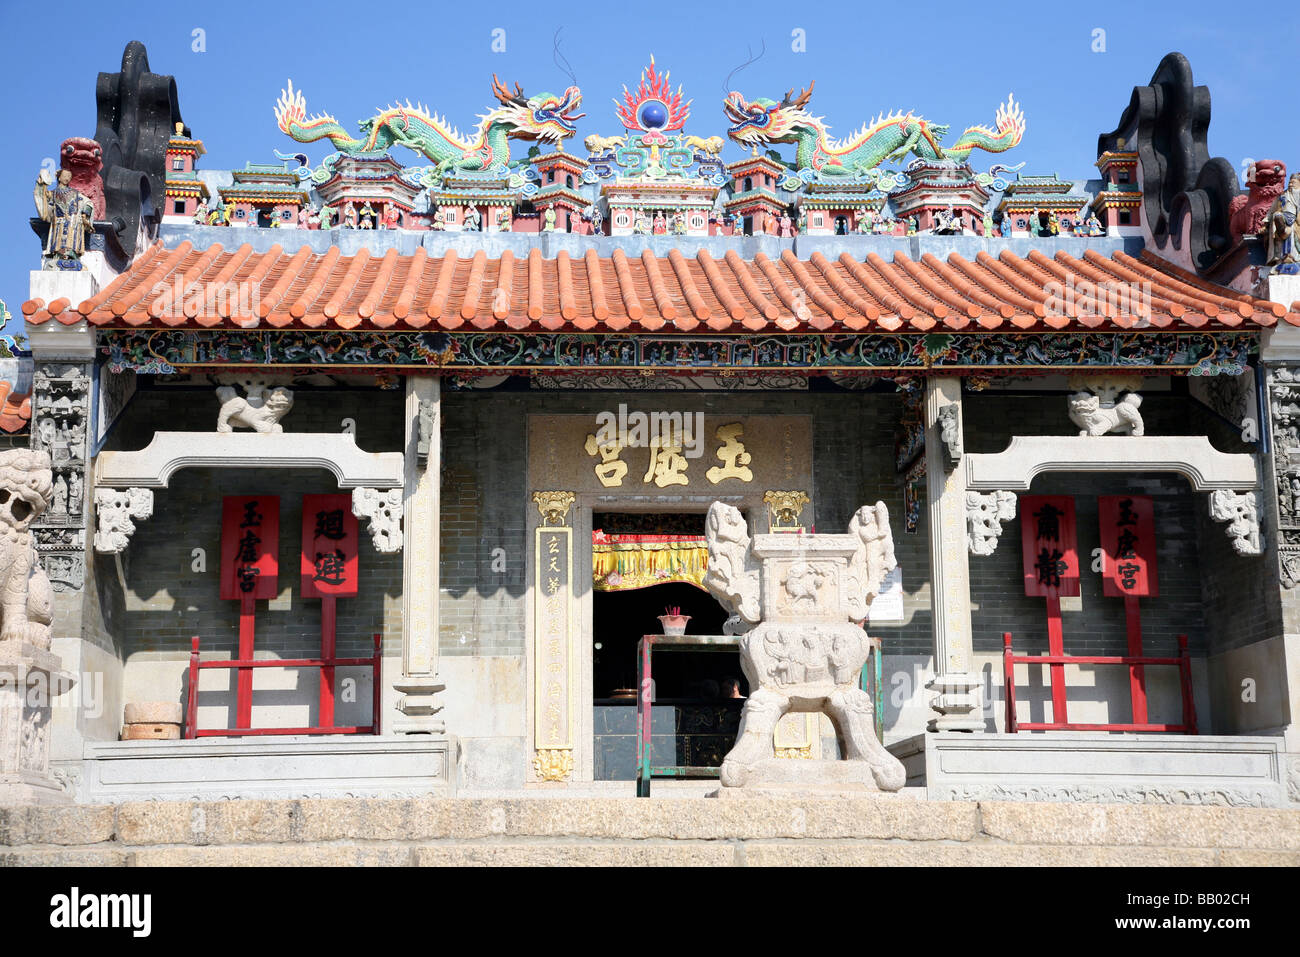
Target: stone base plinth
x=785 y=777
x=1088 y=766
x=28 y=788
x=288 y=766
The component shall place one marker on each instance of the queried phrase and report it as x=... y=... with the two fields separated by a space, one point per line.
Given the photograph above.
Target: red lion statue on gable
x=85 y=159
x=1266 y=181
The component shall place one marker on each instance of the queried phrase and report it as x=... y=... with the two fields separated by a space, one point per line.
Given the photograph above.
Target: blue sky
x=953 y=68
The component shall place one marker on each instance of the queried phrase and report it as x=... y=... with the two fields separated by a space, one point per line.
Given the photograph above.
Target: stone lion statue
x=1086 y=412
x=26 y=600
x=261 y=411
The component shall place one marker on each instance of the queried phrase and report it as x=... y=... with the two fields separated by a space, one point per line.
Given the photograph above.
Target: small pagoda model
x=185 y=192
x=263 y=194
x=372 y=180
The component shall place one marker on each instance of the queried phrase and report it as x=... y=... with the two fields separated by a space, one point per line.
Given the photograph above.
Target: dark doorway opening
x=694 y=720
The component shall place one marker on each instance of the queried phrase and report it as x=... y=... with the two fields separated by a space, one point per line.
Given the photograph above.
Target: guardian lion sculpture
x=26 y=600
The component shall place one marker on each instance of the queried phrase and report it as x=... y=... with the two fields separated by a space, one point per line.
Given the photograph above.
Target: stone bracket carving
x=985 y=513
x=383 y=507
x=114 y=511
x=949 y=420
x=426 y=423
x=1191 y=456
x=1240 y=511
x=152 y=466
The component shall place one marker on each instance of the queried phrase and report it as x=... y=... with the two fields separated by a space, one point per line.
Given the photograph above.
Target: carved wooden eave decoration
x=336 y=452
x=1190 y=456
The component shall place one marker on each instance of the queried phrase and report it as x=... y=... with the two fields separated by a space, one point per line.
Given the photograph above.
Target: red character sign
x=1050 y=545
x=329 y=547
x=250 y=546
x=1128 y=546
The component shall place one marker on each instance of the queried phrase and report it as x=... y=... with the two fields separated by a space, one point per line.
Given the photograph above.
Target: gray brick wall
x=484 y=491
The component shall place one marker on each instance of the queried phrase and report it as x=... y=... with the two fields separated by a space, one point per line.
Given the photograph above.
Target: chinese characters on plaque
x=668 y=465
x=329 y=547
x=1128 y=545
x=1049 y=545
x=250 y=544
x=552 y=699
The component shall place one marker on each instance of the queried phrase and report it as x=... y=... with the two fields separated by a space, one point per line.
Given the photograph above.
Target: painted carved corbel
x=383 y=508
x=116 y=511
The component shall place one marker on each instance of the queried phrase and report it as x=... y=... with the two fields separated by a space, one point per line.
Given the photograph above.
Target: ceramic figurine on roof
x=1283 y=230
x=544 y=116
x=69 y=214
x=891 y=137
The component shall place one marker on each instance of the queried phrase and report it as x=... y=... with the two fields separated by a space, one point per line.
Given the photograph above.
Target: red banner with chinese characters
x=1050 y=545
x=250 y=545
x=329 y=547
x=1128 y=545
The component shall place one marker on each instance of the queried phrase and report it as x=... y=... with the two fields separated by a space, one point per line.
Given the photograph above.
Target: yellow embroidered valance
x=625 y=562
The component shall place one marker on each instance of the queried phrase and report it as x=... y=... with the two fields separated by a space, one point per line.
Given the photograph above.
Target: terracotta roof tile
x=676 y=293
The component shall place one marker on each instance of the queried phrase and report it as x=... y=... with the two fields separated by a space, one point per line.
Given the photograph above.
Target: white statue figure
x=261 y=411
x=805 y=598
x=26 y=600
x=1087 y=413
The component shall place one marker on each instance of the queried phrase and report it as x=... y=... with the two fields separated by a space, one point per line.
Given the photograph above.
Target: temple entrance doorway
x=646 y=565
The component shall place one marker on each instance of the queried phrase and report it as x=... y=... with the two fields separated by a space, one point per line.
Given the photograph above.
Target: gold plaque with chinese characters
x=648 y=451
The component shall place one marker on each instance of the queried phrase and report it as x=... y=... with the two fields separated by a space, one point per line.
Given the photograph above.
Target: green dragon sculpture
x=888 y=137
x=543 y=116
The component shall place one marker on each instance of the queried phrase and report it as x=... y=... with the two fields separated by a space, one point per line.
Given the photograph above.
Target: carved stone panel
x=61 y=420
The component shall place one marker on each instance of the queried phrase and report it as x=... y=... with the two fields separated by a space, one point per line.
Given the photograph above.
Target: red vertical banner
x=1128 y=546
x=250 y=546
x=329 y=547
x=1050 y=545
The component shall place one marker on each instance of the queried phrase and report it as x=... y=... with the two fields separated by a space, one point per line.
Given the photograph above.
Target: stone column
x=63 y=424
x=958 y=698
x=1280 y=509
x=419 y=682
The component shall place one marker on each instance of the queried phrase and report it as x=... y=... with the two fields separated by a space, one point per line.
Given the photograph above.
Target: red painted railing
x=1137 y=689
x=327 y=666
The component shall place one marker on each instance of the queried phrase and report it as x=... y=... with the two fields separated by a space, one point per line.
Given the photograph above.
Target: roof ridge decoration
x=543 y=116
x=1168 y=121
x=889 y=137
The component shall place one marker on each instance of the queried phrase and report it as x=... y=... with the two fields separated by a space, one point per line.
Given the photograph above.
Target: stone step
x=869 y=831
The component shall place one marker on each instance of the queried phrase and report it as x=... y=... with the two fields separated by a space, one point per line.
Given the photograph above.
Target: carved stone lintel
x=784 y=508
x=553 y=765
x=985 y=513
x=114 y=511
x=949 y=419
x=383 y=507
x=1239 y=510
x=554 y=506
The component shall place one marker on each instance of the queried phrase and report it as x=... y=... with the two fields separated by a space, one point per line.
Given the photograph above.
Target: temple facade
x=385 y=500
